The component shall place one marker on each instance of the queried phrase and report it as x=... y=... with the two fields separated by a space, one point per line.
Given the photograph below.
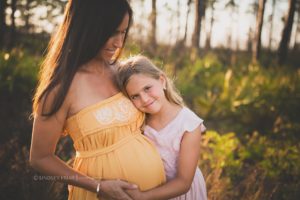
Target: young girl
x=174 y=129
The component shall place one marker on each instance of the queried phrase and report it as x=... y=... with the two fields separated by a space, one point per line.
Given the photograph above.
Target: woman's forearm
x=53 y=166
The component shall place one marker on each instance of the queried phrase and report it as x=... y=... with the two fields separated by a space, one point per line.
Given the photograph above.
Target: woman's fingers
x=116 y=189
x=125 y=196
x=127 y=186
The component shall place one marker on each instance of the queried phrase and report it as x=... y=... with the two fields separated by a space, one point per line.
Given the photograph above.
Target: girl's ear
x=163 y=80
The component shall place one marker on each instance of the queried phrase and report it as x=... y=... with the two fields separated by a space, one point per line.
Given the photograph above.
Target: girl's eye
x=147 y=88
x=134 y=97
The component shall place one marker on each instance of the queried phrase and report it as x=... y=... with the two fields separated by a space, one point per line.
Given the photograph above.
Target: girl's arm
x=187 y=164
x=45 y=135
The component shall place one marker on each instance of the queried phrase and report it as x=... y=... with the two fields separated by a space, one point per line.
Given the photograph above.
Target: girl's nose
x=144 y=98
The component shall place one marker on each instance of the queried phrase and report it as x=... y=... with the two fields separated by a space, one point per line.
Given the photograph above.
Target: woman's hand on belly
x=136 y=194
x=115 y=189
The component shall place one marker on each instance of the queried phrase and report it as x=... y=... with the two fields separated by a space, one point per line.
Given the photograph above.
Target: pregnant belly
x=136 y=161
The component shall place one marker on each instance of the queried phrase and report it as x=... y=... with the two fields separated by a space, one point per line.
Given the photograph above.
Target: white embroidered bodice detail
x=121 y=112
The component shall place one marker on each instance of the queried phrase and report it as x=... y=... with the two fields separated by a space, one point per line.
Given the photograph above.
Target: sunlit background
x=242 y=79
x=231 y=20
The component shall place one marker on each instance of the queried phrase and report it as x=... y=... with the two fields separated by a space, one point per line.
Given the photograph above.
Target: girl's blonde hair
x=142 y=65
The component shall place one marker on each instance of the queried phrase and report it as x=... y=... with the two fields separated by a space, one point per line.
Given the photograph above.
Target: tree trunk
x=212 y=20
x=200 y=13
x=249 y=40
x=12 y=35
x=258 y=29
x=229 y=38
x=186 y=22
x=27 y=16
x=296 y=43
x=3 y=27
x=271 y=24
x=286 y=33
x=178 y=21
x=232 y=6
x=153 y=24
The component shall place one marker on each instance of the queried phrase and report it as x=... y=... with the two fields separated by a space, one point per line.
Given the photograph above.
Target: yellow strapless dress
x=109 y=145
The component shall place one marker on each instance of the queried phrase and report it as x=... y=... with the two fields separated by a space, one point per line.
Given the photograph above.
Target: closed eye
x=119 y=32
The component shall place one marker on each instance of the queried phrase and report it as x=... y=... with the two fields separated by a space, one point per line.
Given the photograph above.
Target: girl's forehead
x=141 y=78
x=146 y=75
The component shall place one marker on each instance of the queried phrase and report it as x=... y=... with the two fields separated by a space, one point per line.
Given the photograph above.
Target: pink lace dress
x=167 y=141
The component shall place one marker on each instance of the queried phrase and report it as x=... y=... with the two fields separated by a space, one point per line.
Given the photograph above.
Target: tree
x=27 y=16
x=286 y=33
x=231 y=4
x=211 y=5
x=153 y=24
x=252 y=10
x=271 y=24
x=3 y=27
x=12 y=33
x=200 y=6
x=178 y=20
x=26 y=9
x=249 y=40
x=296 y=43
x=258 y=29
x=55 y=8
x=187 y=17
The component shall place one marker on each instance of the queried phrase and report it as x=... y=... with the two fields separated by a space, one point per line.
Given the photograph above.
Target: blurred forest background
x=247 y=90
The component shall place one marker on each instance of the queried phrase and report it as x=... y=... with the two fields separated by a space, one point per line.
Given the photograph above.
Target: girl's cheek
x=136 y=103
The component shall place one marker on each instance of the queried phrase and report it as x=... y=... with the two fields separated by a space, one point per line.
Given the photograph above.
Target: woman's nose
x=118 y=41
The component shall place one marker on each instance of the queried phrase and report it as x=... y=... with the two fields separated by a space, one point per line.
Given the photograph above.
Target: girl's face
x=147 y=93
x=115 y=42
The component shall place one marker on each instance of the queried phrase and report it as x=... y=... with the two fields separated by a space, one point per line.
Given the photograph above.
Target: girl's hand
x=136 y=194
x=115 y=189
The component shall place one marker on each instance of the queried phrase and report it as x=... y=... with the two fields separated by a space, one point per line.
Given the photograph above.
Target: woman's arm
x=187 y=164
x=45 y=135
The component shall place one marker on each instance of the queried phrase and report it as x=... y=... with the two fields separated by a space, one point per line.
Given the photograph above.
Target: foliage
x=249 y=111
x=258 y=104
x=244 y=98
x=18 y=75
x=19 y=181
x=255 y=170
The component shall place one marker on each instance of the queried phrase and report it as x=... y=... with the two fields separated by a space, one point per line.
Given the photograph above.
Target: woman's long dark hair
x=87 y=26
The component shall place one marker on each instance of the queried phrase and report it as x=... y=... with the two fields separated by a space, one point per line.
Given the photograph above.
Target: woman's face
x=115 y=42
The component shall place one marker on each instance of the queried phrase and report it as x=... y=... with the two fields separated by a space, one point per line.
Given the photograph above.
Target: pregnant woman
x=77 y=95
